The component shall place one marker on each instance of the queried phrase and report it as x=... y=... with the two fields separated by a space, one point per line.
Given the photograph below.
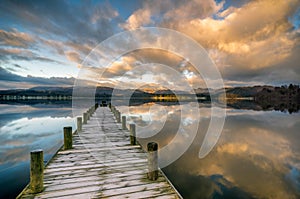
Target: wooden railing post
x=85 y=118
x=132 y=134
x=79 y=124
x=113 y=110
x=152 y=161
x=37 y=171
x=118 y=117
x=88 y=114
x=124 y=123
x=67 y=137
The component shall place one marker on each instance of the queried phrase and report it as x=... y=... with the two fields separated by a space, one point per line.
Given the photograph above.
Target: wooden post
x=124 y=123
x=79 y=124
x=67 y=137
x=37 y=171
x=118 y=117
x=85 y=118
x=132 y=134
x=109 y=105
x=152 y=161
x=88 y=114
x=116 y=112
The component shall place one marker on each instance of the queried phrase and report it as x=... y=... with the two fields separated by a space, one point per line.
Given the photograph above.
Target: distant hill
x=284 y=98
x=39 y=91
x=257 y=92
x=246 y=91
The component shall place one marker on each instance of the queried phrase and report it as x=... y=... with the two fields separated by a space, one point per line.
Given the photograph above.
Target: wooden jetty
x=101 y=160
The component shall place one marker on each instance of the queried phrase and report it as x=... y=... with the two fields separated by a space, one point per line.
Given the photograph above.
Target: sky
x=251 y=42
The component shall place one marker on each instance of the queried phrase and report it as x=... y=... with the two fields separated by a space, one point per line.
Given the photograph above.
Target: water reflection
x=257 y=155
x=24 y=128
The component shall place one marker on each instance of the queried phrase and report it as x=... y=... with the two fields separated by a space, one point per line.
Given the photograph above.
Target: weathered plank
x=102 y=164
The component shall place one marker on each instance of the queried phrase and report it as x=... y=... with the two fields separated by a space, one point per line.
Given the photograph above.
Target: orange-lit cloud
x=243 y=40
x=253 y=36
x=15 y=38
x=137 y=19
x=73 y=56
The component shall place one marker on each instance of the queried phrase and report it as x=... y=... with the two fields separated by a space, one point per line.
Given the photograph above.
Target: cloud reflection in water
x=24 y=128
x=257 y=155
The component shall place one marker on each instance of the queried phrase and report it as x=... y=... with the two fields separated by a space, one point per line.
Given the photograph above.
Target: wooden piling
x=36 y=171
x=88 y=114
x=113 y=110
x=118 y=116
x=132 y=134
x=68 y=138
x=124 y=123
x=79 y=124
x=152 y=161
x=85 y=118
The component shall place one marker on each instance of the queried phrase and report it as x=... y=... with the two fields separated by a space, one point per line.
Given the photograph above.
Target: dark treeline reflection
x=257 y=105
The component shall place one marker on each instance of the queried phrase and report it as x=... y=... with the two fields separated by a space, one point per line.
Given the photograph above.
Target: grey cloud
x=170 y=11
x=62 y=19
x=56 y=45
x=285 y=72
x=10 y=80
x=16 y=54
x=59 y=26
x=18 y=66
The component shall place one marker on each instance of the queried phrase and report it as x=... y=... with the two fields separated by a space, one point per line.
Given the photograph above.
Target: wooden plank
x=105 y=164
x=87 y=162
x=99 y=149
x=100 y=169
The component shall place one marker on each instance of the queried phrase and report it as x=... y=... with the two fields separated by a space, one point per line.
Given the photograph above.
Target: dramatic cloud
x=53 y=32
x=250 y=41
x=252 y=38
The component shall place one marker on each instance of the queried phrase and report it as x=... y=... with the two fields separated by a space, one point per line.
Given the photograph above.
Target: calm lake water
x=24 y=128
x=256 y=156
